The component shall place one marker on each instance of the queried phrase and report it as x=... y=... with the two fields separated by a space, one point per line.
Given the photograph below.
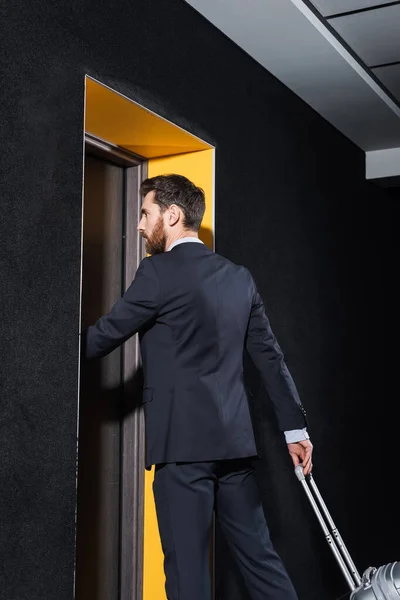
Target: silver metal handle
x=338 y=538
x=332 y=536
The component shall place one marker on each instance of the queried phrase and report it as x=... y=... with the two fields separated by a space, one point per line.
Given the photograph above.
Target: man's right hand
x=301 y=452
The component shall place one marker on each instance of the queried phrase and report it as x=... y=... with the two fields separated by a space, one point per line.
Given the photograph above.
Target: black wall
x=291 y=204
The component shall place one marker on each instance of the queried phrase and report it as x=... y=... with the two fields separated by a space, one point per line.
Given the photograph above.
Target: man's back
x=192 y=351
x=195 y=312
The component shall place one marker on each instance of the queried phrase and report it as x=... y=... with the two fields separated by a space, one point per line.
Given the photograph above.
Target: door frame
x=132 y=444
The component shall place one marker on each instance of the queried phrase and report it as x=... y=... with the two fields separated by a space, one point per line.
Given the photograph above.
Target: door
x=110 y=434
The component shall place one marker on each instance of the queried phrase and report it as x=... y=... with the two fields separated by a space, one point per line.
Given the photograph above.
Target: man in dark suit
x=195 y=313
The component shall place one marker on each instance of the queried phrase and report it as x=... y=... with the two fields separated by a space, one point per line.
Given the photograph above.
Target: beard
x=157 y=243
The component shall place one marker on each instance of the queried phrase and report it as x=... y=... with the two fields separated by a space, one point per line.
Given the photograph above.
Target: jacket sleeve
x=138 y=306
x=267 y=356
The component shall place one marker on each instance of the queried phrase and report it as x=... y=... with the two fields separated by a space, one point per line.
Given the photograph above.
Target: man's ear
x=174 y=214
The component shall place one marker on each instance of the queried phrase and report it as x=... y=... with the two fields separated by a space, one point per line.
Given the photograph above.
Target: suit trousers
x=186 y=494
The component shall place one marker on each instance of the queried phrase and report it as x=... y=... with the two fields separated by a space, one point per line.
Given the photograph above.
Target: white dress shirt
x=183 y=240
x=292 y=436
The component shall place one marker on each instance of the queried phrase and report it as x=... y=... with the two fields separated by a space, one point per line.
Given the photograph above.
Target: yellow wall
x=117 y=119
x=198 y=167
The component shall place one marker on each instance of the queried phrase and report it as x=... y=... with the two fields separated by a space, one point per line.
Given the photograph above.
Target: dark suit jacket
x=195 y=312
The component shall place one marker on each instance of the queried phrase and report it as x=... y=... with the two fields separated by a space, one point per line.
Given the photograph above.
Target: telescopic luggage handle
x=332 y=534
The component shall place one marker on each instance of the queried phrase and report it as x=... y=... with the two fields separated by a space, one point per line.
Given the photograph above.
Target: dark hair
x=176 y=189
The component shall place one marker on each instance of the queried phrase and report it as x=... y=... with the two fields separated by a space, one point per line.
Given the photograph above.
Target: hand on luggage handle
x=333 y=537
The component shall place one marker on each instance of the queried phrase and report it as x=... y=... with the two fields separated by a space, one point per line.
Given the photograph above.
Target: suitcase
x=381 y=583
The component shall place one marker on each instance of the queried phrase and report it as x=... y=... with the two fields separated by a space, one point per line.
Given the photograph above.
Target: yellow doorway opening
x=114 y=118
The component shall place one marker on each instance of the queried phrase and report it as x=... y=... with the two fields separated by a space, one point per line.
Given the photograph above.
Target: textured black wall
x=292 y=205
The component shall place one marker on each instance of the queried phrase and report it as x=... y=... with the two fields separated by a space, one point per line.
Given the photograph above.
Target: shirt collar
x=183 y=241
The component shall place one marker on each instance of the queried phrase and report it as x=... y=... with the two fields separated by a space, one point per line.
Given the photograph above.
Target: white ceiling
x=333 y=61
x=390 y=77
x=372 y=32
x=332 y=7
x=374 y=35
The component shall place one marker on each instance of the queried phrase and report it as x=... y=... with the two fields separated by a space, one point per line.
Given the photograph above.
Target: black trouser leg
x=184 y=497
x=241 y=517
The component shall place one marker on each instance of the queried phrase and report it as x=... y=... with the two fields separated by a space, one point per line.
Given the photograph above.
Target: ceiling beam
x=382 y=164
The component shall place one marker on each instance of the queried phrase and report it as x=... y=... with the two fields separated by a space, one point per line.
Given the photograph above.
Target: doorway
x=109 y=542
x=168 y=148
